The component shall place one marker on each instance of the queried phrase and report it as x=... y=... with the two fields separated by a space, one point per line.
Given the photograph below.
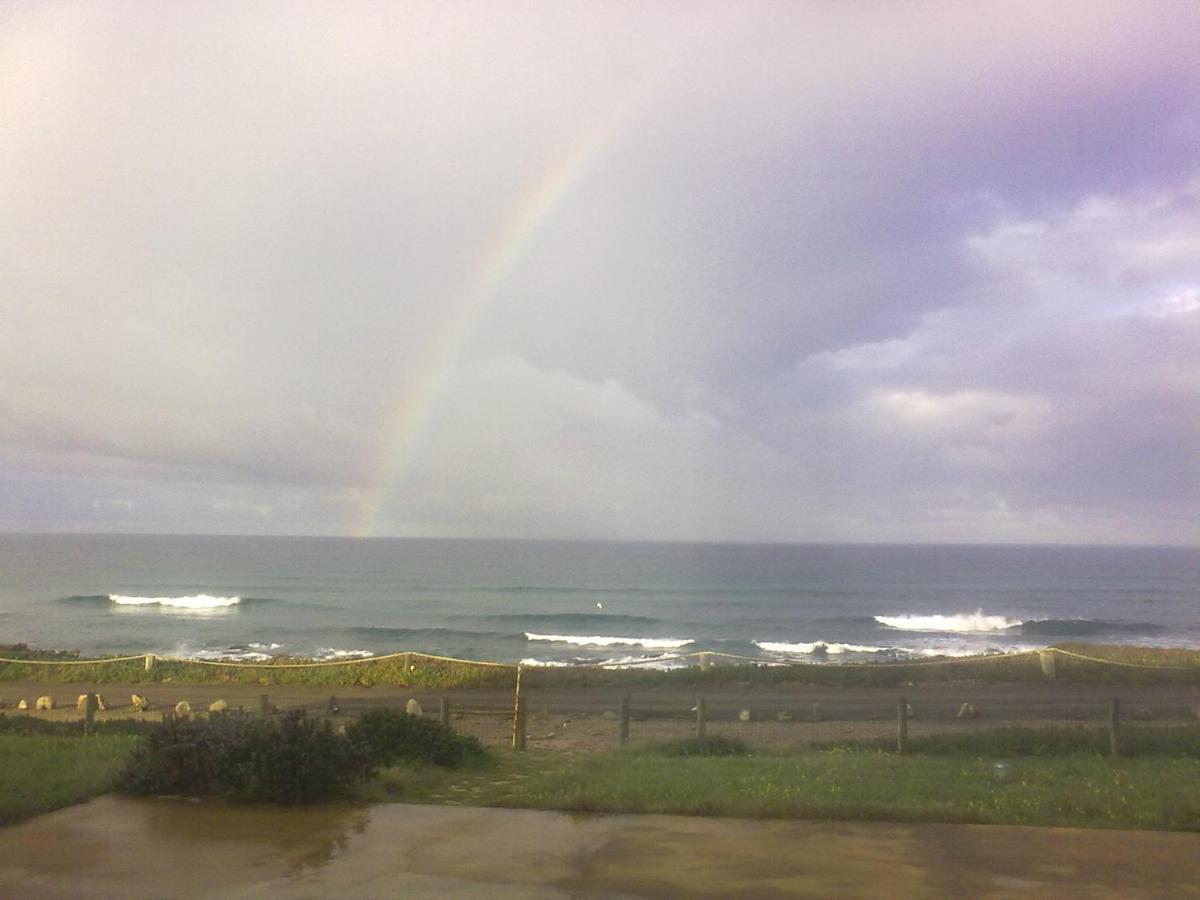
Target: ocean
x=568 y=603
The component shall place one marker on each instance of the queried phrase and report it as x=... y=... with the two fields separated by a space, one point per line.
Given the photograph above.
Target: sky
x=714 y=271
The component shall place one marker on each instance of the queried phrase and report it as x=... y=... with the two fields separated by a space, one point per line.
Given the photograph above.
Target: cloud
x=818 y=273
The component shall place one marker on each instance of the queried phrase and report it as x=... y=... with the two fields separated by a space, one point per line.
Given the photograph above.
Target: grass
x=1051 y=783
x=43 y=772
x=429 y=672
x=1077 y=790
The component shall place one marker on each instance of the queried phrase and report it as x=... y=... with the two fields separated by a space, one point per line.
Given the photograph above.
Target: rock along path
x=120 y=847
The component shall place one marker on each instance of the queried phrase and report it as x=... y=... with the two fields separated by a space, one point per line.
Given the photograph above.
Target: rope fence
x=703 y=658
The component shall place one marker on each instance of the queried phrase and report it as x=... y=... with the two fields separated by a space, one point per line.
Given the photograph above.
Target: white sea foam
x=962 y=623
x=817 y=647
x=232 y=654
x=578 y=640
x=326 y=654
x=645 y=662
x=197 y=602
x=546 y=663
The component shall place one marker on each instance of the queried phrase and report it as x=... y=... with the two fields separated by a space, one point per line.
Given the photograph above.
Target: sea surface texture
x=567 y=603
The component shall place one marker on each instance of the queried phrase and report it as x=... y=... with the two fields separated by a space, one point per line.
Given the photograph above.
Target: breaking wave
x=195 y=602
x=818 y=647
x=577 y=640
x=961 y=623
x=979 y=622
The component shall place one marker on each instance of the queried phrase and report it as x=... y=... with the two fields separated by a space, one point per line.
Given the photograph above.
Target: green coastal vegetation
x=1015 y=775
x=1090 y=663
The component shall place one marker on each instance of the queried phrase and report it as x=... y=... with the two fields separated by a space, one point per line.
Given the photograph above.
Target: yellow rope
x=1128 y=665
x=71 y=662
x=473 y=662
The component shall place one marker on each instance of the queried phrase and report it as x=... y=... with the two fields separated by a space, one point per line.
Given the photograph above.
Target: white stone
x=412 y=707
x=218 y=706
x=45 y=703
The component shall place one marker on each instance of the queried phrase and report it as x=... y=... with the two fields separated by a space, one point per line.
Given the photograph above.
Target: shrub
x=713 y=745
x=382 y=737
x=245 y=759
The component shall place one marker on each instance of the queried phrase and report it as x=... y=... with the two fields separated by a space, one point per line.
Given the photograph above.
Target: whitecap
x=817 y=647
x=607 y=641
x=961 y=623
x=196 y=602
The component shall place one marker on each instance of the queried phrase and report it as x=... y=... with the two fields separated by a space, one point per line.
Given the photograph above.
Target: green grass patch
x=43 y=772
x=1045 y=741
x=1010 y=776
x=1077 y=791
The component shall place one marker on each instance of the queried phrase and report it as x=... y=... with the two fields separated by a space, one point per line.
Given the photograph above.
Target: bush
x=382 y=737
x=713 y=745
x=245 y=759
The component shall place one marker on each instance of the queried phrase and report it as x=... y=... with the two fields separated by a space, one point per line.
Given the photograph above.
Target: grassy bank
x=1053 y=783
x=43 y=772
x=1105 y=665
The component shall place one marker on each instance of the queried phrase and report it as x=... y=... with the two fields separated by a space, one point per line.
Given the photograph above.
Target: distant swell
x=588 y=618
x=389 y=632
x=1084 y=627
x=577 y=640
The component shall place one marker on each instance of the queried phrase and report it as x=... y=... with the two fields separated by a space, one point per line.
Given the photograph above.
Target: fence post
x=444 y=712
x=623 y=717
x=518 y=735
x=264 y=706
x=705 y=661
x=408 y=668
x=1047 y=659
x=701 y=719
x=149 y=664
x=89 y=713
x=902 y=725
x=1114 y=727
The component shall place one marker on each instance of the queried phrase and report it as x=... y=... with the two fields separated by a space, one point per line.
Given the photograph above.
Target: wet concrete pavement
x=120 y=847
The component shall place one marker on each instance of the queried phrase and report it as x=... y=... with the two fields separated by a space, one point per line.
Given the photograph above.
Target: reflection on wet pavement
x=122 y=847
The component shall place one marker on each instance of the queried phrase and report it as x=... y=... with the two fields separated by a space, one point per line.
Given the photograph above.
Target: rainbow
x=409 y=420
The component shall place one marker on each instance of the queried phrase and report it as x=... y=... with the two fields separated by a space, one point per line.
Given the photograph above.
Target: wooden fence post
x=1114 y=727
x=518 y=734
x=705 y=661
x=701 y=719
x=264 y=706
x=149 y=664
x=444 y=712
x=902 y=725
x=1047 y=660
x=408 y=668
x=89 y=713
x=623 y=717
